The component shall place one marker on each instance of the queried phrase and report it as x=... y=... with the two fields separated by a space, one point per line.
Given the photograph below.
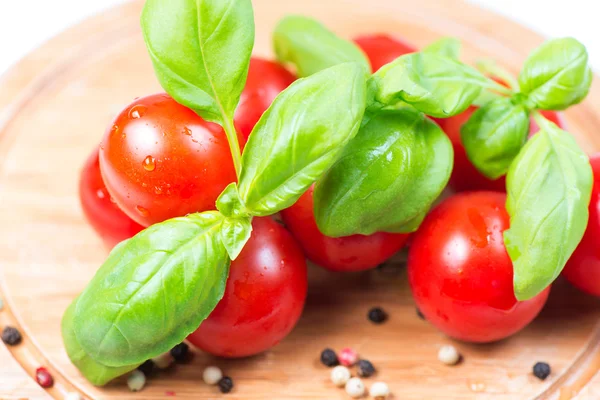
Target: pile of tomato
x=159 y=160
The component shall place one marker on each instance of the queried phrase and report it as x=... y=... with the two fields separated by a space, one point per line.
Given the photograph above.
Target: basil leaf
x=201 y=50
x=387 y=177
x=549 y=187
x=96 y=373
x=300 y=136
x=494 y=135
x=436 y=85
x=153 y=291
x=230 y=204
x=447 y=47
x=556 y=75
x=311 y=47
x=235 y=232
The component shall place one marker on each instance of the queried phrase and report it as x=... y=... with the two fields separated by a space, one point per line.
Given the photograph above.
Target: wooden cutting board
x=54 y=107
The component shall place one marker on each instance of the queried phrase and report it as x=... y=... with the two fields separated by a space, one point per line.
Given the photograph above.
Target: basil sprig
x=549 y=187
x=311 y=47
x=387 y=178
x=201 y=51
x=494 y=135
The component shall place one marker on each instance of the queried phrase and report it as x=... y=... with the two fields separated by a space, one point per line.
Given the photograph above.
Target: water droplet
x=144 y=184
x=149 y=163
x=143 y=212
x=187 y=131
x=112 y=200
x=100 y=193
x=101 y=146
x=157 y=190
x=137 y=111
x=261 y=274
x=114 y=130
x=477 y=387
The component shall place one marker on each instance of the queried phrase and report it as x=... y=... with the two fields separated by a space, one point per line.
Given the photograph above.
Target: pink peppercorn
x=43 y=377
x=348 y=357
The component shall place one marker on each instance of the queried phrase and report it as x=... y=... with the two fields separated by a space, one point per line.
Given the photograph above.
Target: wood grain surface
x=54 y=106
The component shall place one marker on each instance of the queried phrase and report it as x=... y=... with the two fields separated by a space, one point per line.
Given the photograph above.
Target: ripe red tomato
x=460 y=274
x=350 y=253
x=111 y=224
x=264 y=296
x=464 y=175
x=382 y=49
x=583 y=268
x=160 y=160
x=266 y=79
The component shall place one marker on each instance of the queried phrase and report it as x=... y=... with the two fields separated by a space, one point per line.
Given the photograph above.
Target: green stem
x=495 y=86
x=541 y=120
x=490 y=67
x=234 y=145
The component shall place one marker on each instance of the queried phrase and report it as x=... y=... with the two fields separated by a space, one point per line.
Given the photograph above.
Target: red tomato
x=464 y=175
x=264 y=296
x=350 y=253
x=583 y=268
x=160 y=160
x=460 y=274
x=106 y=218
x=266 y=79
x=383 y=49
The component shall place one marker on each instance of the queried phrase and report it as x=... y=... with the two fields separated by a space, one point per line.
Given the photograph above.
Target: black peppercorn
x=147 y=367
x=11 y=336
x=181 y=353
x=225 y=384
x=420 y=314
x=365 y=368
x=377 y=315
x=541 y=370
x=329 y=358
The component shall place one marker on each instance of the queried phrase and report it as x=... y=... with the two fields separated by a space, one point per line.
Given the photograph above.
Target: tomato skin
x=160 y=160
x=460 y=274
x=350 y=253
x=107 y=219
x=583 y=268
x=465 y=176
x=264 y=296
x=266 y=79
x=382 y=49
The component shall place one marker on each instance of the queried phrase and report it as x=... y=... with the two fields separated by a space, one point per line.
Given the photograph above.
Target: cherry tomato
x=264 y=297
x=583 y=268
x=460 y=274
x=350 y=253
x=266 y=79
x=106 y=218
x=464 y=175
x=160 y=160
x=383 y=49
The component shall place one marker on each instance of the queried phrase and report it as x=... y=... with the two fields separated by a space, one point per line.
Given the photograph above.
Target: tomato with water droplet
x=350 y=253
x=106 y=218
x=460 y=273
x=264 y=296
x=163 y=161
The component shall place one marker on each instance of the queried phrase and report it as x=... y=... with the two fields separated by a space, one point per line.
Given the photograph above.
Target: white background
x=25 y=24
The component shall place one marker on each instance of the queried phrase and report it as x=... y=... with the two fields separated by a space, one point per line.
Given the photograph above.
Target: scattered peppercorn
x=225 y=384
x=181 y=353
x=379 y=391
x=355 y=388
x=163 y=361
x=420 y=314
x=449 y=355
x=136 y=381
x=377 y=315
x=541 y=370
x=11 y=336
x=43 y=378
x=329 y=358
x=348 y=357
x=340 y=375
x=365 y=368
x=147 y=367
x=212 y=375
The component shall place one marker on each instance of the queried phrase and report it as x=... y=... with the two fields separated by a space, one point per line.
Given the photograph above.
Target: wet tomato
x=264 y=297
x=382 y=49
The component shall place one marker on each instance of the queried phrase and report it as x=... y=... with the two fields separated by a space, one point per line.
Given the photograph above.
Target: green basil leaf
x=549 y=187
x=446 y=47
x=436 y=85
x=230 y=204
x=235 y=232
x=96 y=373
x=485 y=97
x=311 y=47
x=494 y=135
x=153 y=291
x=300 y=136
x=387 y=177
x=556 y=75
x=201 y=50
